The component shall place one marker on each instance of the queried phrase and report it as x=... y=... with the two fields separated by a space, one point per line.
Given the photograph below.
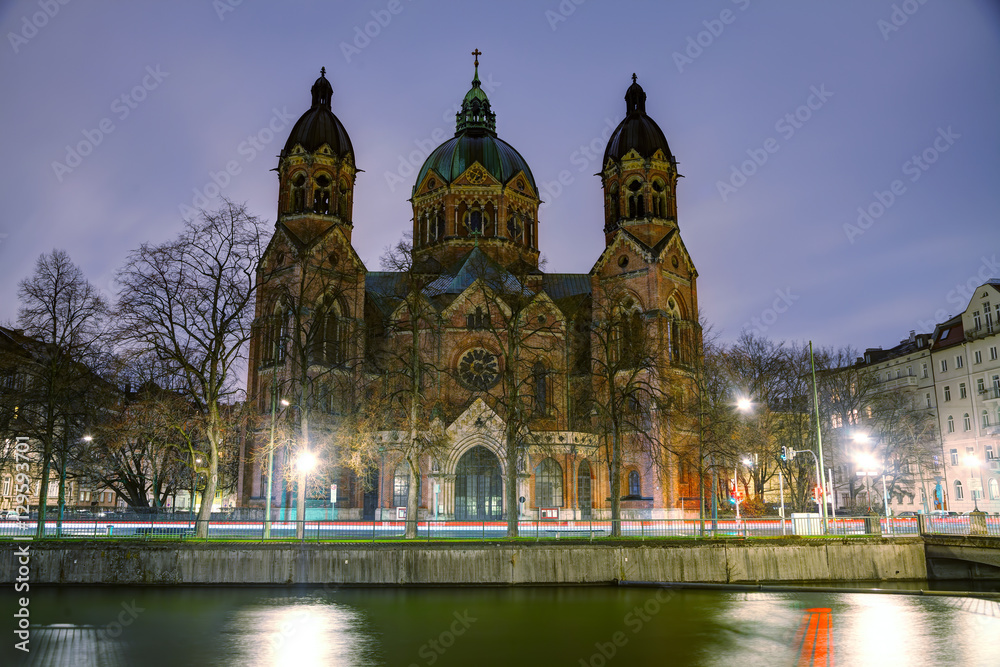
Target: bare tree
x=62 y=314
x=189 y=303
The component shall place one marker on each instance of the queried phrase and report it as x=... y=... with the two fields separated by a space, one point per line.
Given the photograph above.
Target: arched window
x=994 y=489
x=439 y=225
x=959 y=494
x=548 y=484
x=636 y=204
x=614 y=205
x=344 y=201
x=634 y=484
x=329 y=336
x=475 y=220
x=515 y=226
x=298 y=199
x=541 y=386
x=967 y=422
x=659 y=199
x=986 y=419
x=321 y=195
x=274 y=332
x=529 y=231
x=951 y=424
x=626 y=337
x=401 y=484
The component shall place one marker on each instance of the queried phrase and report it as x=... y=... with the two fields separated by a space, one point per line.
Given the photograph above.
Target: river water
x=520 y=627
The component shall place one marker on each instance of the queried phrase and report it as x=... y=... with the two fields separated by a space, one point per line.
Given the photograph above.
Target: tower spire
x=476 y=115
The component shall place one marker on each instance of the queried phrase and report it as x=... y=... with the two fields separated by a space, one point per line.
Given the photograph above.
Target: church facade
x=483 y=346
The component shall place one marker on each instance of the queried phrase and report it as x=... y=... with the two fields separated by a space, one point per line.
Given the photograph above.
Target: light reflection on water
x=292 y=632
x=271 y=627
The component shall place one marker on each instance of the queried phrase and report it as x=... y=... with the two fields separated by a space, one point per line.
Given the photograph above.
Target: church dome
x=475 y=140
x=638 y=131
x=319 y=125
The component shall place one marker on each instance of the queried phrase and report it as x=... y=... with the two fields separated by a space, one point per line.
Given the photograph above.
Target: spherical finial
x=633 y=77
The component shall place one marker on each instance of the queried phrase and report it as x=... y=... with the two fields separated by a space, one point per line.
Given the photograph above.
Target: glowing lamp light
x=306 y=462
x=743 y=404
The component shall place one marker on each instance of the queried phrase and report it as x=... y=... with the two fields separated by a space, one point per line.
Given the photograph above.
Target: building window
x=344 y=201
x=329 y=337
x=6 y=486
x=977 y=322
x=321 y=195
x=923 y=370
x=477 y=320
x=959 y=361
x=959 y=494
x=636 y=204
x=993 y=353
x=927 y=397
x=961 y=390
x=989 y=318
x=981 y=386
x=401 y=484
x=909 y=371
x=298 y=198
x=634 y=484
x=966 y=422
x=947 y=393
x=944 y=365
x=986 y=419
x=541 y=380
x=659 y=200
x=954 y=457
x=548 y=484
x=978 y=356
x=951 y=424
x=994 y=489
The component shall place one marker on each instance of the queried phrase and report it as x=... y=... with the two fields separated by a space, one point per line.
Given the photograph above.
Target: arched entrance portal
x=583 y=489
x=478 y=486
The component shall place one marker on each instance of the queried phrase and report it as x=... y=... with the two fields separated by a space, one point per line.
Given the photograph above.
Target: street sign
x=975 y=484
x=333 y=494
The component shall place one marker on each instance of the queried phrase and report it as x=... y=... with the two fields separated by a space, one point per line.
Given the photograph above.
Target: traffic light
x=732 y=491
x=784 y=453
x=818 y=494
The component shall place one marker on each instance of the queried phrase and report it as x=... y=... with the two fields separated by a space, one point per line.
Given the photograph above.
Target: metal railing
x=546 y=529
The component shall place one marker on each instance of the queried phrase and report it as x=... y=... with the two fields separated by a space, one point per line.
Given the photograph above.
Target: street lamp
x=973 y=464
x=305 y=464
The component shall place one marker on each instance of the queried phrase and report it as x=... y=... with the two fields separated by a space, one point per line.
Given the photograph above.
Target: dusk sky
x=786 y=119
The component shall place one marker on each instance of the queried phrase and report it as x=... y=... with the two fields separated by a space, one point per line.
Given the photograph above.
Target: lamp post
x=305 y=463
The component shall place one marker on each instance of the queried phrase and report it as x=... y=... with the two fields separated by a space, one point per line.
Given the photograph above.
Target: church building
x=480 y=336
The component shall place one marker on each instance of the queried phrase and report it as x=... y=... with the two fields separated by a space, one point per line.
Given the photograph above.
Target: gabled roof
x=949 y=333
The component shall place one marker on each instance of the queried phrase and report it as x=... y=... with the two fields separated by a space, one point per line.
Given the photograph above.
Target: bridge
x=962 y=557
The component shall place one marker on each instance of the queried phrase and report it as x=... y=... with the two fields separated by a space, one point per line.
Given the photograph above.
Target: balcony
x=991 y=397
x=898 y=383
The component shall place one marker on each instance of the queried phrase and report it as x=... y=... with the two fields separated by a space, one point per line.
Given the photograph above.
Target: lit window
x=548 y=484
x=994 y=489
x=401 y=484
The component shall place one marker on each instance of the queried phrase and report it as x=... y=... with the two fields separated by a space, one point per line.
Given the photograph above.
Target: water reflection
x=290 y=632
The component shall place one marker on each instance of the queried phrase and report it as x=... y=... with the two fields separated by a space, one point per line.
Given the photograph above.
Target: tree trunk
x=615 y=471
x=43 y=496
x=412 y=497
x=511 y=480
x=208 y=495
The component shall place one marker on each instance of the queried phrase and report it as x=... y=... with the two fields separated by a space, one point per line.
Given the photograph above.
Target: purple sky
x=887 y=81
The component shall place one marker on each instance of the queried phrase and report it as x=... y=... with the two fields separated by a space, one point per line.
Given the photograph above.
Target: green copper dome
x=475 y=140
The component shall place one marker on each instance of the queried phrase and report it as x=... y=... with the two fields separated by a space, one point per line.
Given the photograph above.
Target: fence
x=156 y=527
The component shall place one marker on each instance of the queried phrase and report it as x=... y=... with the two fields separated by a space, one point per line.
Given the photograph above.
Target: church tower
x=475 y=190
